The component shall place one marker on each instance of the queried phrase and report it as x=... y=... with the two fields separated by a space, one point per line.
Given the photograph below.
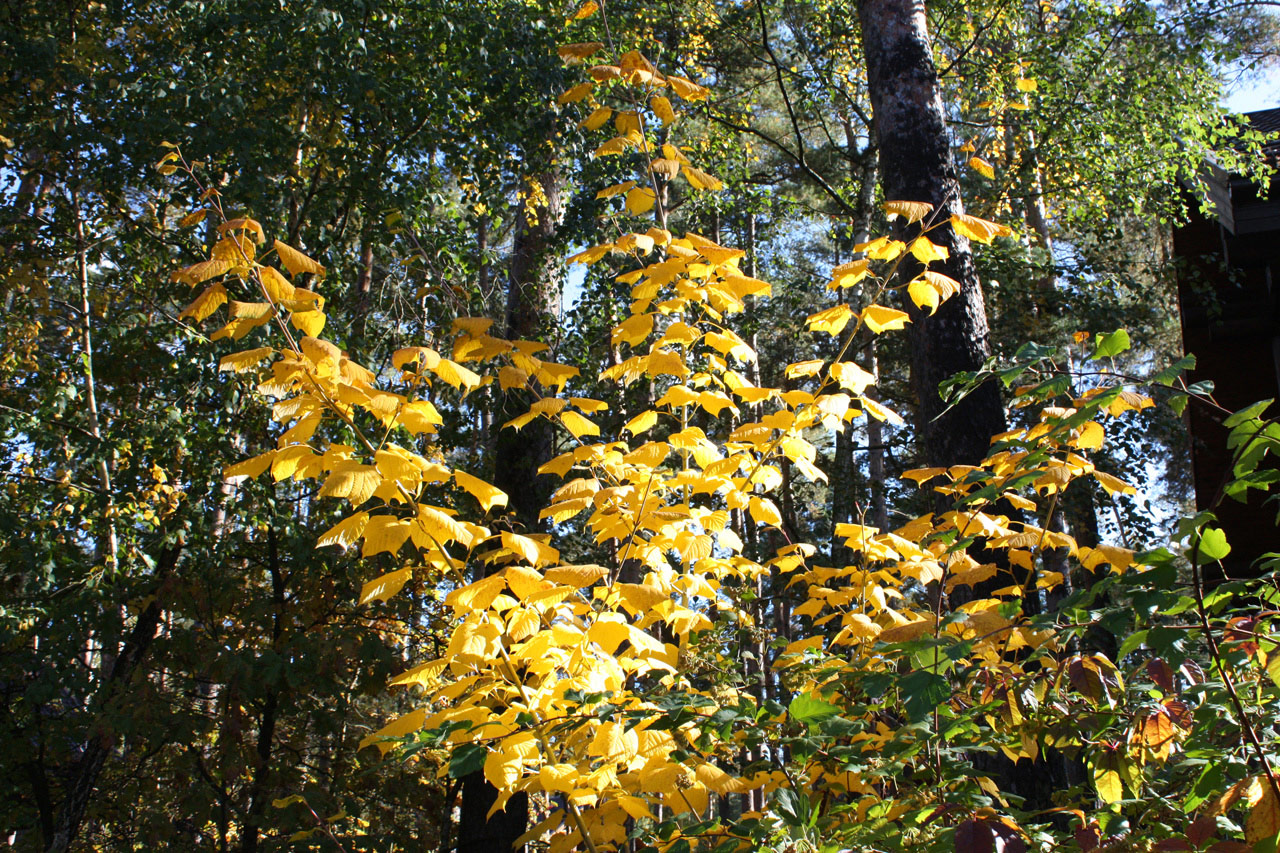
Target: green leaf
x=1170 y=374
x=922 y=692
x=1130 y=643
x=1213 y=543
x=467 y=759
x=1109 y=346
x=810 y=709
x=1273 y=668
x=1248 y=413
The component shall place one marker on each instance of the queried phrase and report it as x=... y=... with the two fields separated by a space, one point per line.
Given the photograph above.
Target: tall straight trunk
x=535 y=279
x=916 y=165
x=536 y=274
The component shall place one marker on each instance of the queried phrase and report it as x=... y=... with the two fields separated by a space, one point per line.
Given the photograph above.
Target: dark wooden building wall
x=1227 y=289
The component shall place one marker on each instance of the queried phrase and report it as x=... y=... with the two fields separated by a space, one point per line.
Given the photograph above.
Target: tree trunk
x=916 y=165
x=533 y=306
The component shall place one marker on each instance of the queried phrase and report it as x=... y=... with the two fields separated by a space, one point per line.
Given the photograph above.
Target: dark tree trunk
x=533 y=305
x=916 y=165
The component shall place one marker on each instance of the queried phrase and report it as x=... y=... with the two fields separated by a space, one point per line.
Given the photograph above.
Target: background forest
x=184 y=669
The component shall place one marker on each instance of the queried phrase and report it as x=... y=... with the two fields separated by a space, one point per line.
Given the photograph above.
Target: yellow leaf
x=882 y=248
x=610 y=192
x=926 y=251
x=201 y=272
x=847 y=275
x=210 y=299
x=614 y=146
x=578 y=425
x=478 y=595
x=687 y=89
x=558 y=777
x=880 y=319
x=410 y=722
x=662 y=109
x=946 y=286
x=638 y=597
x=352 y=481
x=744 y=286
x=635 y=807
x=311 y=323
x=764 y=511
x=1090 y=436
x=1263 y=822
x=277 y=287
x=249 y=226
x=250 y=468
x=924 y=295
x=384 y=587
x=641 y=423
x=574 y=54
x=665 y=168
x=435 y=526
x=577 y=577
x=586 y=10
x=627 y=123
x=488 y=495
x=296 y=262
x=345 y=532
x=419 y=416
x=245 y=317
x=1114 y=485
x=671 y=152
x=832 y=320
x=851 y=377
x=577 y=93
x=1107 y=781
x=455 y=374
x=923 y=475
x=615 y=742
x=881 y=413
x=598 y=117
x=1025 y=84
x=983 y=168
x=981 y=230
x=535 y=553
x=384 y=533
x=503 y=770
x=640 y=200
x=912 y=211
x=700 y=180
x=193 y=218
x=804 y=368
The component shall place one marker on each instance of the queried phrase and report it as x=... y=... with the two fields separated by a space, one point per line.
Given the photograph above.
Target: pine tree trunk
x=916 y=165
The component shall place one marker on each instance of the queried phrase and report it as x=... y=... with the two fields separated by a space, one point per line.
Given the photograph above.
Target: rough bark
x=533 y=307
x=916 y=165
